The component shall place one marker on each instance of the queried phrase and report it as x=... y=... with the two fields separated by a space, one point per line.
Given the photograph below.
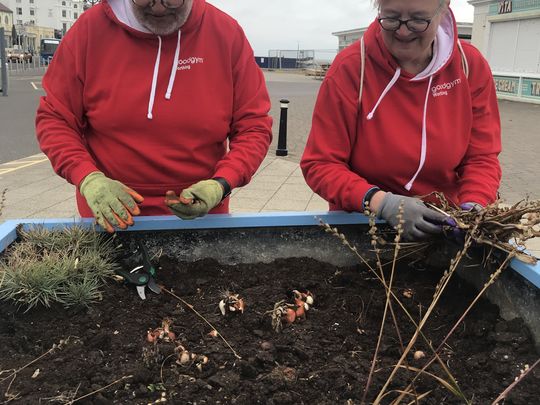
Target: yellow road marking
x=20 y=165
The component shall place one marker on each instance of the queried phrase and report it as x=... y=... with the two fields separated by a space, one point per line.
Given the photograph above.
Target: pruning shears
x=137 y=270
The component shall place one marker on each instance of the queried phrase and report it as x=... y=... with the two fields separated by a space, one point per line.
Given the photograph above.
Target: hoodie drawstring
x=423 y=150
x=154 y=82
x=409 y=185
x=174 y=67
x=155 y=76
x=386 y=90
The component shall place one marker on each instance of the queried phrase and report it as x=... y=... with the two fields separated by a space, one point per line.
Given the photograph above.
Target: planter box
x=264 y=237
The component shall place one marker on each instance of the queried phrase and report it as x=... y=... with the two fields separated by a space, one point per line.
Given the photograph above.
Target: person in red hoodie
x=149 y=98
x=406 y=111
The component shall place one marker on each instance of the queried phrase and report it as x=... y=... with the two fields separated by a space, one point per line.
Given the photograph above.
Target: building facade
x=508 y=34
x=6 y=22
x=57 y=14
x=37 y=19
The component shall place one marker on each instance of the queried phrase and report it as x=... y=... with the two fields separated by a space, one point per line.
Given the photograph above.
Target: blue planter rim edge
x=219 y=221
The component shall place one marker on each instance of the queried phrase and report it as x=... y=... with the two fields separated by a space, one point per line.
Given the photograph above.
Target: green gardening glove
x=196 y=200
x=112 y=203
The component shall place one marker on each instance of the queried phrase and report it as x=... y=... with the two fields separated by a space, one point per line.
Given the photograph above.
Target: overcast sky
x=308 y=24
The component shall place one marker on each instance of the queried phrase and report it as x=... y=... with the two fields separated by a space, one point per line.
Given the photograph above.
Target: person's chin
x=404 y=52
x=161 y=25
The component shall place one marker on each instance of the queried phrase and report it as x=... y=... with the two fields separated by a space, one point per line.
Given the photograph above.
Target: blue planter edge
x=8 y=229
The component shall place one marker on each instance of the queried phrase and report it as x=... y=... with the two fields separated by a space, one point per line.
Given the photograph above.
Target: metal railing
x=22 y=66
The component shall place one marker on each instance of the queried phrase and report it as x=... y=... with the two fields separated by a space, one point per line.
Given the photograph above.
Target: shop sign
x=505 y=7
x=507 y=85
x=531 y=88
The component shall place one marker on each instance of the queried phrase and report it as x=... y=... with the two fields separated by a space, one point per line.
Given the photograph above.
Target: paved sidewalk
x=35 y=191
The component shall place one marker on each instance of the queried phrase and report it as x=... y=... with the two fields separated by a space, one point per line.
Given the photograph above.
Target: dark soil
x=324 y=359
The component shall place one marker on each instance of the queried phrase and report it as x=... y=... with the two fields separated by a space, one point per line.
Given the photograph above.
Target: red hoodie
x=385 y=142
x=106 y=106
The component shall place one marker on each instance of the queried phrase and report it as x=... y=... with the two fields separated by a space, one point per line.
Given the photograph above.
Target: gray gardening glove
x=420 y=222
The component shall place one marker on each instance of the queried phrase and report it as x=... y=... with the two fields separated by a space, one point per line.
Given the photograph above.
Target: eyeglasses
x=412 y=24
x=164 y=3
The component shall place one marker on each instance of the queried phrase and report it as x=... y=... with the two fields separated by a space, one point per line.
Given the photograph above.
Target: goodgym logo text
x=185 y=64
x=442 y=89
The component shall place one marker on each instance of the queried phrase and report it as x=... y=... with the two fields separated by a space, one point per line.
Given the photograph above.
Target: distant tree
x=90 y=3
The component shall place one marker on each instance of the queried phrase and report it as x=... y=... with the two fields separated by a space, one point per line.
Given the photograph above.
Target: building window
x=64 y=27
x=64 y=13
x=74 y=6
x=63 y=3
x=31 y=1
x=19 y=22
x=75 y=15
x=32 y=11
x=19 y=10
x=7 y=20
x=50 y=12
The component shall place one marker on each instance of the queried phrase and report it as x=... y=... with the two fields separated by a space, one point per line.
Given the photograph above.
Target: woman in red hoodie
x=149 y=98
x=404 y=112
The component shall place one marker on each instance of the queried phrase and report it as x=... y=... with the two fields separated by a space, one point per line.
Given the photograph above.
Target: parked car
x=18 y=55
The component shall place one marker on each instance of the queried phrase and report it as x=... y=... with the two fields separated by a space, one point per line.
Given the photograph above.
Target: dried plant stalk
x=2 y=200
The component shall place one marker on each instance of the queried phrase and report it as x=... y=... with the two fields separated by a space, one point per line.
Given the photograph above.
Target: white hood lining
x=123 y=10
x=443 y=47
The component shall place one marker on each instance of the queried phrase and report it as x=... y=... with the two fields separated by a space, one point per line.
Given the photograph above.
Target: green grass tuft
x=68 y=267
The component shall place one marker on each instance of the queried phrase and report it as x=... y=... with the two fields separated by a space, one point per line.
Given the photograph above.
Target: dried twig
x=54 y=347
x=388 y=302
x=334 y=232
x=517 y=380
x=101 y=389
x=501 y=227
x=491 y=280
x=2 y=200
x=187 y=304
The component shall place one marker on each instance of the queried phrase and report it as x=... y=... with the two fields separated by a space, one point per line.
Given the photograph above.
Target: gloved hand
x=420 y=222
x=455 y=233
x=112 y=202
x=471 y=206
x=196 y=200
